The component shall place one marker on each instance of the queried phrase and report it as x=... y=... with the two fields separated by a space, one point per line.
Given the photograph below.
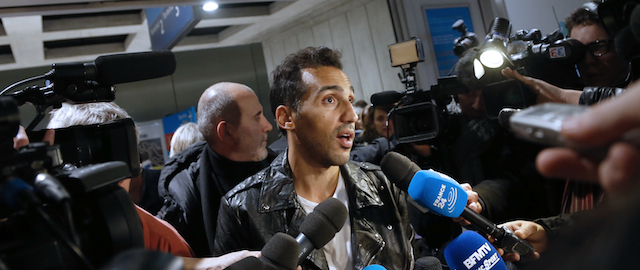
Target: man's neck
x=312 y=181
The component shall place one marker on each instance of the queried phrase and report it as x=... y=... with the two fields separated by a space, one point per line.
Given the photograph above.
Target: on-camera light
x=210 y=6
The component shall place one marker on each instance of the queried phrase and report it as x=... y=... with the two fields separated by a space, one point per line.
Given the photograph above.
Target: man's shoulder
x=183 y=160
x=369 y=169
x=182 y=168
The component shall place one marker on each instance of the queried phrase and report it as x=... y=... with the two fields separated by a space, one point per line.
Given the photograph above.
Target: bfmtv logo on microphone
x=470 y=251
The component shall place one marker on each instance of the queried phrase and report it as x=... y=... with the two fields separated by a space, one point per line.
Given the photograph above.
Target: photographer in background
x=158 y=234
x=601 y=65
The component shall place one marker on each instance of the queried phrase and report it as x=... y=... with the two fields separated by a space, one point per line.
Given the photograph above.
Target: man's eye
x=329 y=99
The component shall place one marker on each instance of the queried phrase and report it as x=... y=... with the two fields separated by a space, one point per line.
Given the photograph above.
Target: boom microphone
x=117 y=68
x=386 y=98
x=277 y=253
x=471 y=251
x=320 y=226
x=444 y=196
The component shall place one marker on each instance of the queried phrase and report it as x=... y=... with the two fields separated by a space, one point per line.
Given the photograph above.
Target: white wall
x=527 y=14
x=361 y=29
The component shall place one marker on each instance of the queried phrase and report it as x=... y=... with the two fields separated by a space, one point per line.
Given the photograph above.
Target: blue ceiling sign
x=167 y=26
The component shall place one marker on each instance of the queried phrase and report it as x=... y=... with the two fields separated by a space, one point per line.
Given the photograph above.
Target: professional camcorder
x=61 y=205
x=419 y=115
x=551 y=58
x=467 y=40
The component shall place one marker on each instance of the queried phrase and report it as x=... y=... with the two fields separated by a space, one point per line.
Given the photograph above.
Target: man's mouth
x=346 y=138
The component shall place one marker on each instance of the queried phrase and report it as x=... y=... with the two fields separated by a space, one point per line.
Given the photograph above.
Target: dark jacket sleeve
x=495 y=195
x=564 y=222
x=372 y=152
x=229 y=232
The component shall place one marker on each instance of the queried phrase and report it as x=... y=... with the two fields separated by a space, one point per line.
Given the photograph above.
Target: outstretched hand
x=532 y=232
x=473 y=202
x=545 y=91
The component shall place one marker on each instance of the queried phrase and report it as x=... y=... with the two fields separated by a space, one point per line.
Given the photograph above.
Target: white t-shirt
x=338 y=250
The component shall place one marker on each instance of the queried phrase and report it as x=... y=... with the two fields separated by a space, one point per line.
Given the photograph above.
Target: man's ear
x=284 y=116
x=222 y=131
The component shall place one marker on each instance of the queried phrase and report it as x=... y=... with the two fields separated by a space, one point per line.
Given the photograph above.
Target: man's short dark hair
x=288 y=88
x=583 y=16
x=464 y=70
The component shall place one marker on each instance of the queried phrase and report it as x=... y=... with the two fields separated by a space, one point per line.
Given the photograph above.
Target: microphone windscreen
x=399 y=169
x=428 y=263
x=375 y=267
x=471 y=251
x=321 y=225
x=280 y=252
x=250 y=262
x=131 y=67
x=386 y=98
x=504 y=115
x=438 y=192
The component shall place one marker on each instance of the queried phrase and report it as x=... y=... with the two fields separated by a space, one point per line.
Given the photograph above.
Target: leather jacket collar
x=279 y=193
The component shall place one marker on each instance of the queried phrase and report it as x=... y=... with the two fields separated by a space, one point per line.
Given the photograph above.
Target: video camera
x=419 y=115
x=53 y=214
x=467 y=40
x=551 y=58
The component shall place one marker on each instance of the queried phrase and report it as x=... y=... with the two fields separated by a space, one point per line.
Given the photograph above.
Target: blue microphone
x=470 y=251
x=444 y=196
x=438 y=192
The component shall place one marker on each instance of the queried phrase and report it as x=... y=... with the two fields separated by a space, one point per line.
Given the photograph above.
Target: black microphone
x=278 y=253
x=428 y=263
x=320 y=226
x=117 y=68
x=409 y=177
x=504 y=115
x=250 y=262
x=386 y=98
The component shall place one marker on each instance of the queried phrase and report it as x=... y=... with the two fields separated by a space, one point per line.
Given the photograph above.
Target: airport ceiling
x=41 y=32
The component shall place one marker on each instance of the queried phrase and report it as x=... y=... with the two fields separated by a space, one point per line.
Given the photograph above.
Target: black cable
x=57 y=232
x=69 y=217
x=24 y=81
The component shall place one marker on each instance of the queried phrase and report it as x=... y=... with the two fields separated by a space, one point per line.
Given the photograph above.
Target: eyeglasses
x=599 y=47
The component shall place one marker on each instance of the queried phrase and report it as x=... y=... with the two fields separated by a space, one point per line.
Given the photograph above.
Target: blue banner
x=439 y=22
x=172 y=122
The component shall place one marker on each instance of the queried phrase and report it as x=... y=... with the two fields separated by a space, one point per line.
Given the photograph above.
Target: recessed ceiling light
x=210 y=6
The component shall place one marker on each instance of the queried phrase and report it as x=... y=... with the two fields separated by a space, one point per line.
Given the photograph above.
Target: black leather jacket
x=192 y=184
x=266 y=203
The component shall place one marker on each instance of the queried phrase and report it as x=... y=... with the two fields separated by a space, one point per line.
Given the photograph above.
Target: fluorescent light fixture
x=210 y=6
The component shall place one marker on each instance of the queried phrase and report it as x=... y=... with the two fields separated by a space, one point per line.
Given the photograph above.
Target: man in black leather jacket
x=311 y=99
x=193 y=181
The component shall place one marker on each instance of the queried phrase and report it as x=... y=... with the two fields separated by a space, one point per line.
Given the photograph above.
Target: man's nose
x=350 y=115
x=266 y=126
